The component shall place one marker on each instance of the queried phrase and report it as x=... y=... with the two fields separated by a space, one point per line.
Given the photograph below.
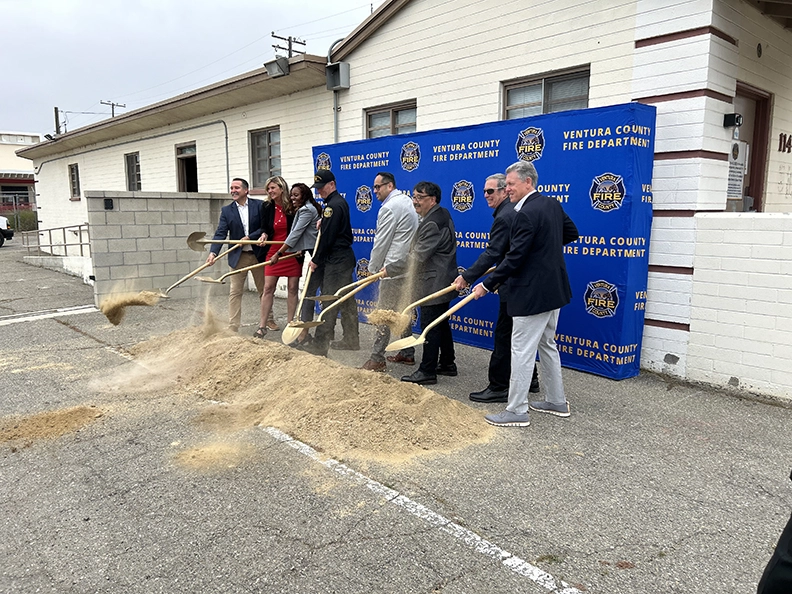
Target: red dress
x=290 y=267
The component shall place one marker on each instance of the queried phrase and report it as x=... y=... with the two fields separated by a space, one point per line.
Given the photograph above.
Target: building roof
x=305 y=72
x=367 y=28
x=778 y=10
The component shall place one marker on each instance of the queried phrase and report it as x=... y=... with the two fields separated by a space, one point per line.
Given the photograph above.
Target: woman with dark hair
x=302 y=238
x=276 y=224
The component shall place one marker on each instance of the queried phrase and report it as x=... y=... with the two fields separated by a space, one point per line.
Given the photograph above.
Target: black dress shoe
x=449 y=370
x=312 y=347
x=490 y=396
x=534 y=385
x=340 y=345
x=419 y=377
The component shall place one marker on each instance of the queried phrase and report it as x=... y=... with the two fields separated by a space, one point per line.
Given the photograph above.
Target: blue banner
x=596 y=162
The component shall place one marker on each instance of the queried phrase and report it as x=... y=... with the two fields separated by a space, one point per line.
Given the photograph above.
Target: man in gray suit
x=396 y=225
x=432 y=266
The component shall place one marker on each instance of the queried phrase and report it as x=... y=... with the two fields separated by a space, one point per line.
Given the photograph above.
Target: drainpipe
x=336 y=109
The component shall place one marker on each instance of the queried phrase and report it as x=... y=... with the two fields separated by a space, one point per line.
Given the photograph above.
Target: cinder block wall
x=741 y=310
x=141 y=242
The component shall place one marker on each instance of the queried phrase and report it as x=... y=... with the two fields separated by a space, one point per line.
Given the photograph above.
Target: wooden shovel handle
x=361 y=285
x=434 y=295
x=447 y=314
x=307 y=277
x=259 y=265
x=202 y=267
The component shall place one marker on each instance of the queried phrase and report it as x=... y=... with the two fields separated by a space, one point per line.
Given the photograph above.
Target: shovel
x=405 y=343
x=291 y=332
x=221 y=280
x=320 y=320
x=337 y=294
x=163 y=294
x=439 y=293
x=197 y=244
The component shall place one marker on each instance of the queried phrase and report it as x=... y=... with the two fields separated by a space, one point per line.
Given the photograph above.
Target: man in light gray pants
x=538 y=289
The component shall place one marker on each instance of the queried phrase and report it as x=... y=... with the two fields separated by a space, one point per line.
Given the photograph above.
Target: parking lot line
x=30 y=316
x=480 y=545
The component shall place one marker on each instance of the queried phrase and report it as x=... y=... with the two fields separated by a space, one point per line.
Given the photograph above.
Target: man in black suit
x=777 y=576
x=538 y=287
x=240 y=220
x=432 y=264
x=500 y=361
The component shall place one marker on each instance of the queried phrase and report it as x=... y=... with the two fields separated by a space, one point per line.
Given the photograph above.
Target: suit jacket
x=303 y=232
x=534 y=264
x=396 y=225
x=432 y=258
x=230 y=226
x=497 y=248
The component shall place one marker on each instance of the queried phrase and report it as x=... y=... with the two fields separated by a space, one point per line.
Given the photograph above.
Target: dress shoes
x=419 y=377
x=399 y=358
x=340 y=345
x=372 y=365
x=488 y=395
x=534 y=385
x=312 y=347
x=449 y=370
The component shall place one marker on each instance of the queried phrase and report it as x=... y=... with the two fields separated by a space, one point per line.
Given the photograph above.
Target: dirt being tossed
x=114 y=306
x=341 y=411
x=397 y=322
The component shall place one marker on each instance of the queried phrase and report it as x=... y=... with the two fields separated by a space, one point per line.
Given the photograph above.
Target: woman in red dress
x=276 y=223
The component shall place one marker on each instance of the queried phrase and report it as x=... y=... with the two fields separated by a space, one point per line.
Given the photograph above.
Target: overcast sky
x=75 y=53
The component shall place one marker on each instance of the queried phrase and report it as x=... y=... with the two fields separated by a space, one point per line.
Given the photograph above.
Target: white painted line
x=473 y=540
x=43 y=315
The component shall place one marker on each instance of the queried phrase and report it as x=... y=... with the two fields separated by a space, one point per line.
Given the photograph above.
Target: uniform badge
x=328 y=212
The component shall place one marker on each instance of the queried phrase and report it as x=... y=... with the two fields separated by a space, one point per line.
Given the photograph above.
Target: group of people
x=415 y=249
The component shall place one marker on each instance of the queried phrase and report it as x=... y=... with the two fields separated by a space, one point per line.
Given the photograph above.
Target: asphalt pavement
x=652 y=485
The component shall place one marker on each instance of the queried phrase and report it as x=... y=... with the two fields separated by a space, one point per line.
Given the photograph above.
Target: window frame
x=253 y=145
x=181 y=173
x=133 y=185
x=544 y=79
x=74 y=181
x=392 y=109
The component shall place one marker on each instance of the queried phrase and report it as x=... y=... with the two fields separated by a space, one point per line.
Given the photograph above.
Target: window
x=187 y=167
x=74 y=181
x=132 y=161
x=399 y=118
x=546 y=95
x=265 y=155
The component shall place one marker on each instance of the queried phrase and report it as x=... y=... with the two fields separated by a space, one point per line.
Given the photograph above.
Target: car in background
x=5 y=232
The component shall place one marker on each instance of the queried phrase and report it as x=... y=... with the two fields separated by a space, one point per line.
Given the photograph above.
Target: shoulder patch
x=328 y=212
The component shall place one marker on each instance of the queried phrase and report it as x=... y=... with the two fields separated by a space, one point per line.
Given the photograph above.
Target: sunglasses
x=490 y=191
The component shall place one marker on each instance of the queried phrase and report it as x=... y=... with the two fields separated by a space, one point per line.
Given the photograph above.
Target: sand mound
x=386 y=317
x=114 y=307
x=341 y=411
x=47 y=424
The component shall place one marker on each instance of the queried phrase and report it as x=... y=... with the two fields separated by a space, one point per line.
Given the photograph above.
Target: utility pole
x=112 y=106
x=290 y=49
x=57 y=121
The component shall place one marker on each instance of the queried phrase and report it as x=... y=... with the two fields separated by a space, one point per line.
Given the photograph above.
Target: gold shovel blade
x=308 y=324
x=405 y=343
x=291 y=332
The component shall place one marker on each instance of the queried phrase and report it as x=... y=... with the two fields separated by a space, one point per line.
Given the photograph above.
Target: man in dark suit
x=432 y=264
x=498 y=245
x=240 y=220
x=538 y=287
x=777 y=576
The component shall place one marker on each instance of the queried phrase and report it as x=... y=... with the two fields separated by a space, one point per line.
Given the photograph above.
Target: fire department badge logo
x=323 y=162
x=607 y=192
x=602 y=299
x=462 y=196
x=363 y=199
x=410 y=156
x=361 y=268
x=530 y=144
x=327 y=212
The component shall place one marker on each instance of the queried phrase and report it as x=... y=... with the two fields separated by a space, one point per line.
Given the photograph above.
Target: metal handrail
x=81 y=231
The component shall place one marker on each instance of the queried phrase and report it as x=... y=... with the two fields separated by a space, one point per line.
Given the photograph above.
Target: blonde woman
x=276 y=224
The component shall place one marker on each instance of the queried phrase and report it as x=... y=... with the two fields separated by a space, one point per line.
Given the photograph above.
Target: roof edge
x=367 y=28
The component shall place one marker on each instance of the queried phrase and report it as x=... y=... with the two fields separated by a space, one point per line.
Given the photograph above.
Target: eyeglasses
x=490 y=191
x=378 y=186
x=418 y=196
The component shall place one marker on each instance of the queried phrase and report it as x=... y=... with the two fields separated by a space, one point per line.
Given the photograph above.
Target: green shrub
x=28 y=220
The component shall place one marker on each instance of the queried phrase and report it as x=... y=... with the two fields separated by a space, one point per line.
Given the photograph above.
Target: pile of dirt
x=341 y=411
x=47 y=424
x=114 y=306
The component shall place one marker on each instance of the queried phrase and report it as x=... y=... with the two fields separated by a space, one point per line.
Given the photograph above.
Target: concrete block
x=159 y=204
x=162 y=257
x=174 y=218
x=98 y=246
x=151 y=269
x=135 y=231
x=148 y=218
x=121 y=245
x=138 y=257
x=161 y=230
x=106 y=232
x=121 y=218
x=152 y=244
x=104 y=259
x=199 y=218
x=178 y=269
x=174 y=243
x=124 y=272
